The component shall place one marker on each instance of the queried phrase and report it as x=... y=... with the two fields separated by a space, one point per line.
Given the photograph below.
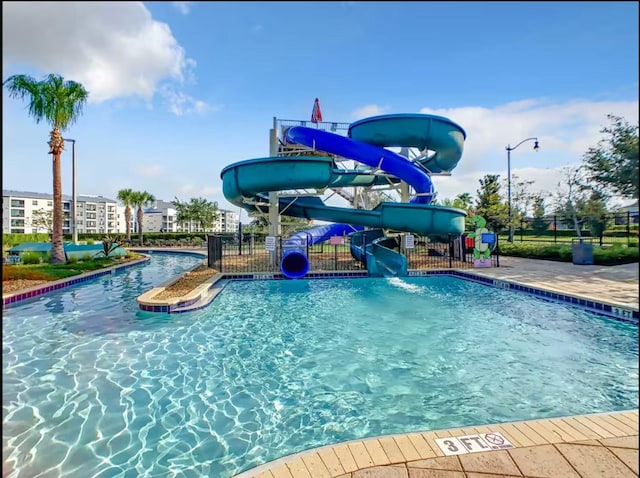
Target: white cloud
x=183 y=7
x=115 y=49
x=146 y=170
x=182 y=104
x=369 y=110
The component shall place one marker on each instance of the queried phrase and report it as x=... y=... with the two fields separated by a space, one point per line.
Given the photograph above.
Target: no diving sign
x=473 y=443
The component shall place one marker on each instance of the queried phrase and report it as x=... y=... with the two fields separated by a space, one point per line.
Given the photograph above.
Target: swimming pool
x=274 y=367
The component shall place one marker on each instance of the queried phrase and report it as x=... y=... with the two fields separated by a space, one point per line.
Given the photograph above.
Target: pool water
x=94 y=387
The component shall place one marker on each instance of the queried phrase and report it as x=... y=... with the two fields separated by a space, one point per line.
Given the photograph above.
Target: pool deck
x=613 y=284
x=587 y=446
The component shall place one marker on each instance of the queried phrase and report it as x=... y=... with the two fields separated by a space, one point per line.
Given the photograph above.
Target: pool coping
x=419 y=449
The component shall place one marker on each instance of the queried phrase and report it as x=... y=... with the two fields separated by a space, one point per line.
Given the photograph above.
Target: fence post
x=450 y=252
x=497 y=251
x=240 y=238
x=214 y=252
x=521 y=229
x=628 y=228
x=555 y=228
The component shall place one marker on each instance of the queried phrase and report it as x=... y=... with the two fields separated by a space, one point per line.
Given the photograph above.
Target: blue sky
x=178 y=90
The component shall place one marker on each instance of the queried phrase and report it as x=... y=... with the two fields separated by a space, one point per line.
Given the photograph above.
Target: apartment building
x=163 y=217
x=95 y=214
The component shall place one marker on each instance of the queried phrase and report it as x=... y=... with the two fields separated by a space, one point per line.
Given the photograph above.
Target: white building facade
x=163 y=217
x=95 y=214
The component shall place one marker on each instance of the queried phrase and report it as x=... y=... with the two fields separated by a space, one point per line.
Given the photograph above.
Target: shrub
x=86 y=257
x=30 y=257
x=611 y=255
x=72 y=260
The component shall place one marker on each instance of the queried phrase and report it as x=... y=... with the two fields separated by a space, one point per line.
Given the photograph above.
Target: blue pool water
x=94 y=387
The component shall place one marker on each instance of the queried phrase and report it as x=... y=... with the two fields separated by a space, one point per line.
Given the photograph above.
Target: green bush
x=72 y=260
x=10 y=240
x=86 y=257
x=607 y=255
x=31 y=257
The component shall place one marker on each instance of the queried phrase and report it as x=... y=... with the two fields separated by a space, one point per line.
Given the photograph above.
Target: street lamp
x=536 y=147
x=73 y=188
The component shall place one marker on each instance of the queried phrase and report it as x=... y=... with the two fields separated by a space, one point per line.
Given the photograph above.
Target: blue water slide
x=376 y=252
x=294 y=263
x=373 y=156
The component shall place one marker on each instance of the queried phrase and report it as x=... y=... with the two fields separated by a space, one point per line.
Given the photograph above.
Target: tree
x=521 y=199
x=489 y=203
x=125 y=196
x=540 y=225
x=571 y=197
x=595 y=212
x=42 y=219
x=613 y=164
x=141 y=200
x=464 y=201
x=200 y=210
x=59 y=103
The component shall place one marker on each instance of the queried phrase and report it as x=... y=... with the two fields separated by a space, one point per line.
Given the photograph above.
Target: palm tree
x=125 y=196
x=60 y=104
x=141 y=200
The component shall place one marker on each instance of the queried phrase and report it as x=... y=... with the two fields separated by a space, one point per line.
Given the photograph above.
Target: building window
x=17 y=222
x=17 y=213
x=49 y=203
x=17 y=203
x=34 y=202
x=17 y=231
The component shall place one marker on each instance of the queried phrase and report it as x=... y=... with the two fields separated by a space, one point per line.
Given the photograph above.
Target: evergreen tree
x=489 y=203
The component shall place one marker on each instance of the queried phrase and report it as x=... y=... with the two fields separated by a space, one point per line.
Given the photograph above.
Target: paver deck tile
x=281 y=472
x=514 y=435
x=421 y=445
x=531 y=433
x=360 y=454
x=543 y=461
x=430 y=438
x=623 y=427
x=391 y=471
x=406 y=447
x=594 y=462
x=392 y=450
x=630 y=419
x=621 y=442
x=376 y=452
x=346 y=458
x=298 y=469
x=628 y=456
x=315 y=466
x=567 y=430
x=491 y=475
x=331 y=461
x=426 y=473
x=441 y=463
x=603 y=432
x=610 y=427
x=582 y=428
x=489 y=462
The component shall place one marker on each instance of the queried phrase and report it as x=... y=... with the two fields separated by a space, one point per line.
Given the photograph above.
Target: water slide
x=247 y=184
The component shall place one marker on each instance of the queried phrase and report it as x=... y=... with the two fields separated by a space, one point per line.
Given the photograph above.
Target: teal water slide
x=247 y=184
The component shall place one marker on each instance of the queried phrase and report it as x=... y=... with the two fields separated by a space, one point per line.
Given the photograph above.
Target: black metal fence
x=260 y=254
x=609 y=229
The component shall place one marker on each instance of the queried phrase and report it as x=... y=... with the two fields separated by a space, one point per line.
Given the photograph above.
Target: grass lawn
x=51 y=272
x=566 y=239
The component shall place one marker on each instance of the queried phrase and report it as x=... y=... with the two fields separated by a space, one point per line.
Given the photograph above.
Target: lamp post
x=73 y=188
x=536 y=146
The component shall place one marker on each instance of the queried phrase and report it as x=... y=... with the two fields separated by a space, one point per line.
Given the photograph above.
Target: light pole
x=536 y=147
x=73 y=188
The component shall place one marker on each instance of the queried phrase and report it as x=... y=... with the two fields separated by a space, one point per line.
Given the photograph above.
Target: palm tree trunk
x=57 y=248
x=127 y=219
x=140 y=215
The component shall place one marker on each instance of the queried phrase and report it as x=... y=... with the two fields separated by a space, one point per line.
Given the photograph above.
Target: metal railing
x=251 y=255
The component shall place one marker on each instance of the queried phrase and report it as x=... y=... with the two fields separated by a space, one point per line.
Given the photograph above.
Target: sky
x=179 y=90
